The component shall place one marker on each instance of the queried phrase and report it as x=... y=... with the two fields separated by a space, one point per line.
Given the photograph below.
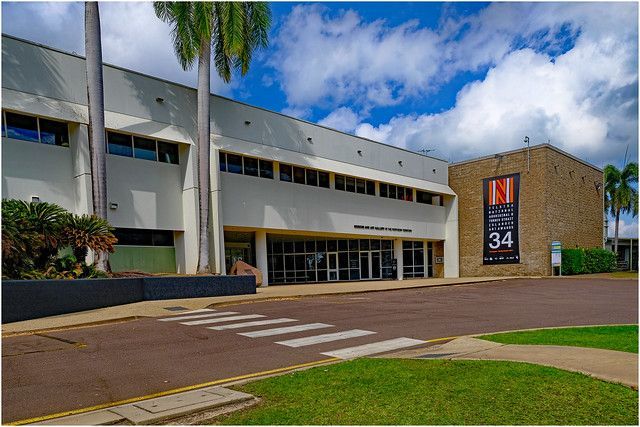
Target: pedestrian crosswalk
x=317 y=339
x=231 y=320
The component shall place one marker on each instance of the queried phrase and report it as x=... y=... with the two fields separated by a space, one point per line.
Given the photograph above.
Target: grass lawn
x=624 y=274
x=621 y=338
x=413 y=391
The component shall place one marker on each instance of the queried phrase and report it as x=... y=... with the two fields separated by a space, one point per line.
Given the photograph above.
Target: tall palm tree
x=234 y=30
x=620 y=194
x=95 y=96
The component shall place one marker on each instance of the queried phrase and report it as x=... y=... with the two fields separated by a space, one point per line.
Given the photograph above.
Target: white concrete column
x=451 y=254
x=261 y=256
x=397 y=254
x=186 y=243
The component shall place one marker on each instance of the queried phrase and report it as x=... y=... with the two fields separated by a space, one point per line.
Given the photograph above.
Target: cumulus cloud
x=132 y=36
x=318 y=57
x=559 y=72
x=343 y=119
x=627 y=228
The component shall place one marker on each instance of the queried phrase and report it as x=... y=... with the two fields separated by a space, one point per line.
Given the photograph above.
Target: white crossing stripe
x=285 y=330
x=222 y=319
x=317 y=339
x=200 y=310
x=373 y=348
x=198 y=316
x=248 y=324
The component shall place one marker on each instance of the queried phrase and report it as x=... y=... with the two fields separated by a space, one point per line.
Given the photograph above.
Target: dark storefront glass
x=319 y=260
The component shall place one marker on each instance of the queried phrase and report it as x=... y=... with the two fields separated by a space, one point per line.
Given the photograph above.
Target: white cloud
x=584 y=101
x=318 y=57
x=343 y=119
x=132 y=36
x=627 y=228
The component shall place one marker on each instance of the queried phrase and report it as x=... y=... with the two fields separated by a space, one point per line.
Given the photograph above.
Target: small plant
x=33 y=235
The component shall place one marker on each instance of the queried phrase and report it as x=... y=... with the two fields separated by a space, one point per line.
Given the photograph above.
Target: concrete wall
x=554 y=205
x=148 y=194
x=34 y=169
x=292 y=206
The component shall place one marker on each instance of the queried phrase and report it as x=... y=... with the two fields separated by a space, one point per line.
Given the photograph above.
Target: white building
x=302 y=202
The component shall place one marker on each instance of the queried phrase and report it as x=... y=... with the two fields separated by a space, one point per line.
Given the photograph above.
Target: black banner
x=501 y=195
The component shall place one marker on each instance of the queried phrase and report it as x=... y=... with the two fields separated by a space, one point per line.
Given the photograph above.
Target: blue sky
x=464 y=79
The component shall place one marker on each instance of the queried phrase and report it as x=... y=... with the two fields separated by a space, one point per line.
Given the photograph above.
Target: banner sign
x=501 y=196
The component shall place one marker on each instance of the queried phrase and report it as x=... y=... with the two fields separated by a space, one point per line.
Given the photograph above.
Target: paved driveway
x=65 y=370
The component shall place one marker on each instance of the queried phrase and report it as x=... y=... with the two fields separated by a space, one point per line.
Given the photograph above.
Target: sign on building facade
x=501 y=235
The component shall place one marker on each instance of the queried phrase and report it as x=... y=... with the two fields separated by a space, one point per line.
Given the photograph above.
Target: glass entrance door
x=333 y=266
x=375 y=265
x=365 y=266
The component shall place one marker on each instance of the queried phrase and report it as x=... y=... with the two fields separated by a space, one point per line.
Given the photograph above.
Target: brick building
x=560 y=198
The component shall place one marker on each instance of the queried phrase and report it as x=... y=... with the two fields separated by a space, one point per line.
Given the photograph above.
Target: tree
x=620 y=194
x=95 y=97
x=234 y=30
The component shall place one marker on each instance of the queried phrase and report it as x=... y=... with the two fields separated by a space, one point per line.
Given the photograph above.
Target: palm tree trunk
x=204 y=150
x=95 y=96
x=615 y=238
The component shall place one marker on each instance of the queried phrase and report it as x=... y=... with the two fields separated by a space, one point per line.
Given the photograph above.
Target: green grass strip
x=621 y=338
x=413 y=391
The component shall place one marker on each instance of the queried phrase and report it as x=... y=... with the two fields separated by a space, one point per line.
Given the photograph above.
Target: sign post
x=556 y=257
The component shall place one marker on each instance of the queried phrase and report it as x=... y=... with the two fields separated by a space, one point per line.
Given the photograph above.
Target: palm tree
x=620 y=195
x=95 y=96
x=235 y=30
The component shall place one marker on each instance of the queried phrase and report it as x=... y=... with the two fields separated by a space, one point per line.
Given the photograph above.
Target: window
x=427 y=198
x=298 y=175
x=312 y=177
x=144 y=148
x=250 y=166
x=54 y=133
x=168 y=153
x=22 y=127
x=371 y=188
x=119 y=144
x=285 y=173
x=413 y=259
x=234 y=163
x=266 y=169
x=223 y=161
x=141 y=237
x=355 y=185
x=384 y=190
x=350 y=184
x=396 y=192
x=323 y=179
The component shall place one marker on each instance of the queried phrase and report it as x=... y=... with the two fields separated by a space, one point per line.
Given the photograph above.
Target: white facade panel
x=148 y=194
x=35 y=169
x=272 y=204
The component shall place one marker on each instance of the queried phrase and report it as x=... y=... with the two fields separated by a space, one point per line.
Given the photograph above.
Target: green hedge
x=587 y=261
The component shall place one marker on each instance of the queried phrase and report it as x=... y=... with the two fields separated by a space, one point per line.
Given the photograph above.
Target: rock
x=241 y=268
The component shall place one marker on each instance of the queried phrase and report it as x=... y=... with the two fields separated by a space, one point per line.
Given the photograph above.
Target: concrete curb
x=154 y=411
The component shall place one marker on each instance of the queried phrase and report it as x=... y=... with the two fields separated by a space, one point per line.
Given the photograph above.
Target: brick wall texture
x=561 y=199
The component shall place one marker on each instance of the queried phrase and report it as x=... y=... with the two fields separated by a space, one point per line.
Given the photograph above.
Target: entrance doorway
x=333 y=266
x=369 y=265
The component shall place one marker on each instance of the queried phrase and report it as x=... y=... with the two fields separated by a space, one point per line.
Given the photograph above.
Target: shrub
x=33 y=235
x=599 y=260
x=587 y=261
x=572 y=261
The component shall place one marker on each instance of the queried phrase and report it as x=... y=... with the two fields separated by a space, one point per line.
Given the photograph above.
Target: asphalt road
x=79 y=368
